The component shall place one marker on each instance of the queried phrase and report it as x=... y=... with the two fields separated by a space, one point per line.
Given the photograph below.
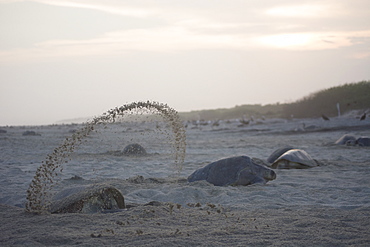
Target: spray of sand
x=39 y=193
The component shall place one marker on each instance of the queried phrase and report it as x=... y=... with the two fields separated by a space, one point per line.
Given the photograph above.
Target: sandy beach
x=160 y=226
x=328 y=205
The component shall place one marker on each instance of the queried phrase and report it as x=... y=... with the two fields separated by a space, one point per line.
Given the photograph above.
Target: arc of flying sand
x=39 y=192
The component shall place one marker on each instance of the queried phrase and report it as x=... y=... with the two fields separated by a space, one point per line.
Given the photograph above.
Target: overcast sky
x=64 y=59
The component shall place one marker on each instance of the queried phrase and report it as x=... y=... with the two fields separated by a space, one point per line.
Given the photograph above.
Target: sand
x=161 y=226
x=327 y=205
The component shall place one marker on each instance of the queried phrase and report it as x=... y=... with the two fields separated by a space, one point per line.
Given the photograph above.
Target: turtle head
x=258 y=174
x=265 y=172
x=270 y=174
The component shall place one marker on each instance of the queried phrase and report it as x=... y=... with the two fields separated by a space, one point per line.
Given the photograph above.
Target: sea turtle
x=363 y=141
x=90 y=199
x=348 y=140
x=277 y=153
x=30 y=133
x=134 y=149
x=294 y=158
x=240 y=170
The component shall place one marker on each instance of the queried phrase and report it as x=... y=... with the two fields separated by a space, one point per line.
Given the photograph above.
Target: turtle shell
x=277 y=153
x=90 y=199
x=294 y=158
x=134 y=149
x=363 y=141
x=346 y=140
x=240 y=170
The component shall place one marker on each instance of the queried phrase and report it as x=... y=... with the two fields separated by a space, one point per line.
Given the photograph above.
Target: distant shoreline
x=352 y=98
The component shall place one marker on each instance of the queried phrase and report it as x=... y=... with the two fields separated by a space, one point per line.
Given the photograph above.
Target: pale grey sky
x=64 y=59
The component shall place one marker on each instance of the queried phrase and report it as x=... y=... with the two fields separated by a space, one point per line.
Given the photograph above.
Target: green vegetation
x=351 y=96
x=275 y=110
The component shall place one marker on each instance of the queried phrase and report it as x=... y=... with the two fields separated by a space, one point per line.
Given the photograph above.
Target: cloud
x=180 y=39
x=303 y=11
x=112 y=7
x=9 y=1
x=167 y=39
x=361 y=55
x=312 y=40
x=182 y=30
